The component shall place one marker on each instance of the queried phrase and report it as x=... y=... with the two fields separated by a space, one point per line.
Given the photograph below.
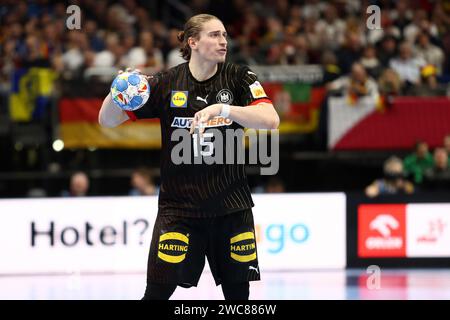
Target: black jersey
x=190 y=189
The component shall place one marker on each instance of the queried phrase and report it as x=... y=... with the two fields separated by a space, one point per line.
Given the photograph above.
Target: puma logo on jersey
x=249 y=72
x=253 y=268
x=204 y=100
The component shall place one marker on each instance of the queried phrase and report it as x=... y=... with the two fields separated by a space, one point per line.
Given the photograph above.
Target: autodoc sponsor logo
x=185 y=122
x=381 y=230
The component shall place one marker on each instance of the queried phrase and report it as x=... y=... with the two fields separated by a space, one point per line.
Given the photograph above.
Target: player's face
x=212 y=43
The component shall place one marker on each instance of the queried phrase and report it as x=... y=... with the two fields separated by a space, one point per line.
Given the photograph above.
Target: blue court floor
x=304 y=285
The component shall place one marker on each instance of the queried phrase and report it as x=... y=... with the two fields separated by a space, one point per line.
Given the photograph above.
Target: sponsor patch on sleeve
x=257 y=90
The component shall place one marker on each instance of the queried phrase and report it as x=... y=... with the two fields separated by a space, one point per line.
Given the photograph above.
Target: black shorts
x=179 y=246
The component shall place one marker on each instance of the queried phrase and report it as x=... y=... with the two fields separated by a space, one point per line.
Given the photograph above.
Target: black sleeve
x=152 y=107
x=251 y=89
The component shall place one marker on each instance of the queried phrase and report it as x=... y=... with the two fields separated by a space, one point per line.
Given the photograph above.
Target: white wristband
x=225 y=110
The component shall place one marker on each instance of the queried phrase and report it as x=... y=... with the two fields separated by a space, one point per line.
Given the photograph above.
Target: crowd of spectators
x=407 y=55
x=419 y=171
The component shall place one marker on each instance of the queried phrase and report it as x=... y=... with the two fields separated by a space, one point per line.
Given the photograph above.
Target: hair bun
x=180 y=36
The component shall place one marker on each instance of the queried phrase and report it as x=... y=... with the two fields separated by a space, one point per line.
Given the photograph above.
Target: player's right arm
x=110 y=115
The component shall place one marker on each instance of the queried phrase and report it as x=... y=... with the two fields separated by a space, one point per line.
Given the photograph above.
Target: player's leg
x=176 y=256
x=157 y=291
x=232 y=254
x=236 y=291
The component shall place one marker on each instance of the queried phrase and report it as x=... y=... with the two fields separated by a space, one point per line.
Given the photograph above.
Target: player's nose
x=223 y=41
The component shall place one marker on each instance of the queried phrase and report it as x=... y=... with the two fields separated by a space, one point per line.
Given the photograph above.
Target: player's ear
x=192 y=42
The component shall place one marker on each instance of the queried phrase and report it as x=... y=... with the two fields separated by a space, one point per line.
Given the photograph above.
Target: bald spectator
x=79 y=185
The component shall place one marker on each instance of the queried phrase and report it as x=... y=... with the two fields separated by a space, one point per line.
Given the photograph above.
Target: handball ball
x=130 y=90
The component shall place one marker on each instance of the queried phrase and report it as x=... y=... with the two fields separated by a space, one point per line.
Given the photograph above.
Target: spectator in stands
x=79 y=185
x=428 y=86
x=390 y=86
x=331 y=69
x=387 y=49
x=146 y=55
x=70 y=62
x=95 y=40
x=350 y=52
x=429 y=52
x=393 y=182
x=245 y=53
x=407 y=66
x=331 y=28
x=416 y=163
x=438 y=177
x=313 y=8
x=356 y=85
x=447 y=144
x=312 y=37
x=173 y=57
x=294 y=51
x=402 y=14
x=388 y=29
x=420 y=23
x=370 y=61
x=390 y=83
x=112 y=53
x=142 y=183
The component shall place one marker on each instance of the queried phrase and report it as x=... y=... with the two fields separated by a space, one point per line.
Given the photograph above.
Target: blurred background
x=349 y=97
x=364 y=173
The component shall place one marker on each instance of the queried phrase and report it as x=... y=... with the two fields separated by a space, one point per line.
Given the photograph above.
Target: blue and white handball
x=130 y=90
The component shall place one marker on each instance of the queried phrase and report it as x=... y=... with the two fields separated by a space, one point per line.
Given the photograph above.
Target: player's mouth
x=222 y=51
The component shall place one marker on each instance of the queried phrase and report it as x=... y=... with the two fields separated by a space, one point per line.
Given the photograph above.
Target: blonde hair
x=192 y=29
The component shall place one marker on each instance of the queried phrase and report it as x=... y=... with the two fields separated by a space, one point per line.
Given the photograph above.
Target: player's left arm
x=257 y=112
x=258 y=116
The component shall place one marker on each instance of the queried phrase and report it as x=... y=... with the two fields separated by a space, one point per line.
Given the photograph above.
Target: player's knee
x=159 y=291
x=236 y=291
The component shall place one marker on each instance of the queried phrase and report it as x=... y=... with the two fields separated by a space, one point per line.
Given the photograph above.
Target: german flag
x=79 y=128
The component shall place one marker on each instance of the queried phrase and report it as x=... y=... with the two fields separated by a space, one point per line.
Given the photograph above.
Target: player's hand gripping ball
x=130 y=90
